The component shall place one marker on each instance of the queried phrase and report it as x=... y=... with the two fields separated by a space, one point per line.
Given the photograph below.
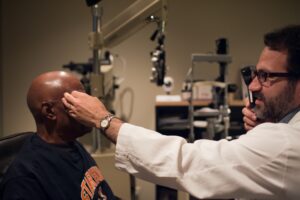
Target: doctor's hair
x=287 y=39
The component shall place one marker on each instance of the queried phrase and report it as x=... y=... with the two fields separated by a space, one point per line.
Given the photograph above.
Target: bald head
x=50 y=87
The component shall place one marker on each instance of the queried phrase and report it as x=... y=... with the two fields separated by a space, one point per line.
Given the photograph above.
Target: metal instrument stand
x=96 y=44
x=224 y=110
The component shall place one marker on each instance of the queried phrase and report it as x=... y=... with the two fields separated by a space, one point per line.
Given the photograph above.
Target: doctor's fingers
x=69 y=98
x=249 y=113
x=66 y=103
x=78 y=94
x=249 y=121
x=247 y=127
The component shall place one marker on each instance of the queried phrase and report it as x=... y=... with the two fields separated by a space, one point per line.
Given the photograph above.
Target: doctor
x=262 y=164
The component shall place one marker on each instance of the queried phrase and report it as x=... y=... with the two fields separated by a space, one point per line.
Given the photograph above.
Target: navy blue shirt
x=54 y=172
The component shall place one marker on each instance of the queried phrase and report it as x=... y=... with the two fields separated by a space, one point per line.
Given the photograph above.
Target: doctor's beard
x=275 y=108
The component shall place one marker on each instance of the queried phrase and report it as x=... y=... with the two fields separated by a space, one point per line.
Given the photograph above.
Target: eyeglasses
x=267 y=78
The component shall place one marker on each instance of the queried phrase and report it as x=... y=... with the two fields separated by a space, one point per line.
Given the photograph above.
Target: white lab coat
x=262 y=164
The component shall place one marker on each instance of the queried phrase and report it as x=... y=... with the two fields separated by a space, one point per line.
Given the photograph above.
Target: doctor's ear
x=48 y=110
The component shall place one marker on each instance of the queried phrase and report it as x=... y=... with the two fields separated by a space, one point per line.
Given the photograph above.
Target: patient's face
x=65 y=124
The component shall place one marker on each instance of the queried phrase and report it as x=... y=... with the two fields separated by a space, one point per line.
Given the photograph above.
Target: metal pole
x=96 y=45
x=191 y=137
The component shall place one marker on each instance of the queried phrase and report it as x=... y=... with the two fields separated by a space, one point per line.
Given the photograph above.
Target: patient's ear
x=48 y=110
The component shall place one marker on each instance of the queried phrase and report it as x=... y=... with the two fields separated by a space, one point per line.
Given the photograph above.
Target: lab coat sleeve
x=253 y=166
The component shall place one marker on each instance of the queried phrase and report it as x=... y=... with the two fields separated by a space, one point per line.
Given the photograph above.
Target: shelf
x=231 y=102
x=183 y=103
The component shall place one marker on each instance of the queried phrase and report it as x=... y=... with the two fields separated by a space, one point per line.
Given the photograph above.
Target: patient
x=52 y=164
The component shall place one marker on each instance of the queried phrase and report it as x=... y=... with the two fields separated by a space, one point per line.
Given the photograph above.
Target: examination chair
x=9 y=148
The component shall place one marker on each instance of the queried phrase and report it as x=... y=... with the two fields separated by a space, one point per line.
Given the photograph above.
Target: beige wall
x=39 y=36
x=1 y=83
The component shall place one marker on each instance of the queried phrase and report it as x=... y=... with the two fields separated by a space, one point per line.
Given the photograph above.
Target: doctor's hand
x=89 y=111
x=250 y=119
x=86 y=109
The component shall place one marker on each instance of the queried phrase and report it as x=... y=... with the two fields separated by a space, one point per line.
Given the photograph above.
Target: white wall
x=39 y=36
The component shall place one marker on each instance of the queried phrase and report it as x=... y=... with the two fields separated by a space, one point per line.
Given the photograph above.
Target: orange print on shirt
x=90 y=182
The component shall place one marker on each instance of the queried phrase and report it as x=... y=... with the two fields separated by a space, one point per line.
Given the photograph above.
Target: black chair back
x=9 y=148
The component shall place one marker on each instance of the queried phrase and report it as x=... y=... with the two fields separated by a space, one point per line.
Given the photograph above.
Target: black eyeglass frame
x=263 y=76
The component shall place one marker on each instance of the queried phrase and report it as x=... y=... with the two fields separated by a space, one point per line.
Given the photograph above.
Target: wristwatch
x=105 y=122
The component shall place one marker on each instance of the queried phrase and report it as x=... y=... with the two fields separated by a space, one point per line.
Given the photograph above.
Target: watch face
x=104 y=123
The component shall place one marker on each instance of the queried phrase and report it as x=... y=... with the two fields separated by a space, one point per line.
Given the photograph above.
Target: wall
x=1 y=83
x=39 y=36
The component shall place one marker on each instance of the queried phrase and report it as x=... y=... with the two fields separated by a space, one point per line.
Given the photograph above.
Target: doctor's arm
x=205 y=169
